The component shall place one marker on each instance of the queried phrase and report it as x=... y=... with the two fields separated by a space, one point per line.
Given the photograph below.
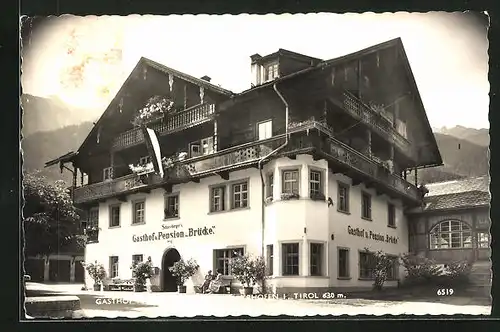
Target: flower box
x=288 y=196
x=317 y=197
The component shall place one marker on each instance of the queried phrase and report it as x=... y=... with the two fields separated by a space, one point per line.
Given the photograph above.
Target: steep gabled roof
x=397 y=43
x=162 y=68
x=456 y=194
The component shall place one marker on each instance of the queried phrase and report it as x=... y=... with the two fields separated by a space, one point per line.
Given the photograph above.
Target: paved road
x=112 y=304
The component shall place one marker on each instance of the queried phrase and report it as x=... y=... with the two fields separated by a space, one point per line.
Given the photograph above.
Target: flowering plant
x=142 y=169
x=184 y=270
x=155 y=106
x=248 y=270
x=96 y=271
x=287 y=196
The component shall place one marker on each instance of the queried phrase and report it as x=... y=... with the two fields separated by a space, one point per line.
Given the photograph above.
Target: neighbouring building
x=453 y=225
x=307 y=168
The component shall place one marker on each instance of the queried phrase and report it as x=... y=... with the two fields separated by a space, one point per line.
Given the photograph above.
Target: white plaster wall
x=231 y=228
x=339 y=223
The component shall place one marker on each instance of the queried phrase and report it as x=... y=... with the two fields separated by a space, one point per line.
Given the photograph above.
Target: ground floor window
x=343 y=263
x=269 y=259
x=113 y=266
x=393 y=272
x=366 y=265
x=137 y=258
x=290 y=259
x=316 y=259
x=223 y=259
x=451 y=234
x=483 y=240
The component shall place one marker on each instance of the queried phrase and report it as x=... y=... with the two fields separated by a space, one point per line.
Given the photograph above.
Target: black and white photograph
x=255 y=165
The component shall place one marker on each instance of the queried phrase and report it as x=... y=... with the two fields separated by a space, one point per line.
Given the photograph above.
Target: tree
x=50 y=220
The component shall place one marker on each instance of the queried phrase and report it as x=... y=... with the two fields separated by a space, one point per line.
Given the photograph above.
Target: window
x=366 y=265
x=316 y=259
x=483 y=240
x=343 y=263
x=171 y=206
x=239 y=195
x=113 y=266
x=137 y=258
x=202 y=147
x=270 y=185
x=343 y=198
x=93 y=217
x=269 y=259
x=107 y=173
x=272 y=72
x=392 y=273
x=366 y=206
x=391 y=215
x=144 y=160
x=315 y=184
x=207 y=146
x=217 y=199
x=401 y=128
x=290 y=182
x=114 y=216
x=223 y=259
x=290 y=259
x=139 y=209
x=194 y=149
x=265 y=129
x=450 y=234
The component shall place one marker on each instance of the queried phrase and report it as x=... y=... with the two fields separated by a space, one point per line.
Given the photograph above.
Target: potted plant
x=248 y=271
x=141 y=271
x=288 y=196
x=184 y=270
x=156 y=107
x=97 y=273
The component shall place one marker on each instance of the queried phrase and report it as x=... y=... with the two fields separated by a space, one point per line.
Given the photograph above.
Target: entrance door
x=169 y=282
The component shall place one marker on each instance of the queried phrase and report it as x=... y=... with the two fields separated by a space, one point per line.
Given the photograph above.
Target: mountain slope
x=477 y=136
x=40 y=147
x=47 y=114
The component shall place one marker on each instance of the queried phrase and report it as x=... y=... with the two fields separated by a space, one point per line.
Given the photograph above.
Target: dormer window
x=107 y=174
x=271 y=72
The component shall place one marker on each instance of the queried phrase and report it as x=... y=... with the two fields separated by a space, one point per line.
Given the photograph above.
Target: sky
x=84 y=60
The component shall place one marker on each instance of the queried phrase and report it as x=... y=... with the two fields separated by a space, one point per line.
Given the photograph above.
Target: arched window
x=451 y=234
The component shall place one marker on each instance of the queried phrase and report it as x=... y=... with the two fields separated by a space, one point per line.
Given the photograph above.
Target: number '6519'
x=445 y=292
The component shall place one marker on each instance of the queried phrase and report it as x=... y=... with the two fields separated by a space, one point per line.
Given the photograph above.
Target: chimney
x=206 y=78
x=255 y=68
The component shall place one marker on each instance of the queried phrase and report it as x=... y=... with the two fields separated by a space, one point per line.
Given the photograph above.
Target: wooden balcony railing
x=248 y=154
x=379 y=123
x=190 y=117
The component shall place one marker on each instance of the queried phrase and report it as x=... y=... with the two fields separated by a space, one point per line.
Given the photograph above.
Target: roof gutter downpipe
x=260 y=166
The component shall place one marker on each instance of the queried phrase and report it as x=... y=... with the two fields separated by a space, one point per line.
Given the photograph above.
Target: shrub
x=184 y=270
x=382 y=264
x=248 y=270
x=142 y=271
x=96 y=271
x=419 y=270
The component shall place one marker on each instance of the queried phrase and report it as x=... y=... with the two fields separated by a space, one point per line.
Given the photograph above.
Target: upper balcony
x=375 y=120
x=187 y=118
x=356 y=164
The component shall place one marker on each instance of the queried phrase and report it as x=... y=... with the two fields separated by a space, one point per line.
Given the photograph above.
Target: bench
x=226 y=284
x=121 y=285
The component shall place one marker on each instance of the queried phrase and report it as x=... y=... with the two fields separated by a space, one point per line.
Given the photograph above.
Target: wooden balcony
x=351 y=161
x=376 y=121
x=188 y=118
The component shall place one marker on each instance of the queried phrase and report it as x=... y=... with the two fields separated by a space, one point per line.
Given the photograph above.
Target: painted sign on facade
x=361 y=232
x=173 y=231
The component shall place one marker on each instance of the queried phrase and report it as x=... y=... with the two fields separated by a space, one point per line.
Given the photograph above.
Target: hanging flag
x=153 y=148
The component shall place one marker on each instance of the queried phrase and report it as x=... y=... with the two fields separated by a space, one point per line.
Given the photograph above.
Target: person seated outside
x=208 y=278
x=215 y=284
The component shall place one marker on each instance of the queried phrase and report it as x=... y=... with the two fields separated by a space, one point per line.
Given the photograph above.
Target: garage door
x=79 y=272
x=59 y=270
x=34 y=268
